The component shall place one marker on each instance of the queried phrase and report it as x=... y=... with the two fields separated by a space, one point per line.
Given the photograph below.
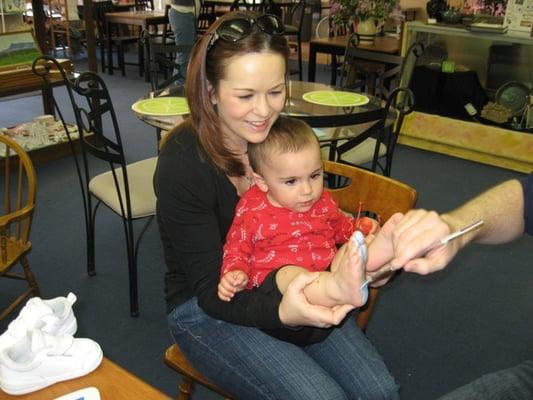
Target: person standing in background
x=182 y=17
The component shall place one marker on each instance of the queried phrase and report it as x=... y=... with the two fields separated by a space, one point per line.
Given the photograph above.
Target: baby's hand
x=231 y=283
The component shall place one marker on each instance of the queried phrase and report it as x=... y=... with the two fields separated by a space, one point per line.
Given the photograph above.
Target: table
x=112 y=381
x=143 y=19
x=363 y=120
x=336 y=46
x=22 y=80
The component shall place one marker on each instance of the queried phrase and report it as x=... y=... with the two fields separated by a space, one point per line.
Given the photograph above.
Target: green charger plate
x=162 y=106
x=335 y=98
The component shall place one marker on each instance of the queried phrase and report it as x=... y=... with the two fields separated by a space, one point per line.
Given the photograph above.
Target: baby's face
x=295 y=180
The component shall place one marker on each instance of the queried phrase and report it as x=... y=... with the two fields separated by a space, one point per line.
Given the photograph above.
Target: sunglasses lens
x=270 y=24
x=234 y=29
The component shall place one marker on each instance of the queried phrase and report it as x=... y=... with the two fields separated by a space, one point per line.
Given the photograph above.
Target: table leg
x=334 y=65
x=109 y=50
x=48 y=106
x=145 y=59
x=312 y=63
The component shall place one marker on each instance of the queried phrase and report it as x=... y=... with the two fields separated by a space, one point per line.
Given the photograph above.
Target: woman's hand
x=295 y=310
x=418 y=230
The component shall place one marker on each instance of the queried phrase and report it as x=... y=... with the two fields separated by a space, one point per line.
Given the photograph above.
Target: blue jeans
x=184 y=28
x=250 y=364
x=515 y=383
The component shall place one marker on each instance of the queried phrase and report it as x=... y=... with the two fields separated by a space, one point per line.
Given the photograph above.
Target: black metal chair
x=119 y=41
x=163 y=68
x=293 y=18
x=383 y=137
x=126 y=189
x=206 y=17
x=397 y=71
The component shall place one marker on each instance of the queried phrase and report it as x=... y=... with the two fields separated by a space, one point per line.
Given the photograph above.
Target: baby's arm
x=231 y=283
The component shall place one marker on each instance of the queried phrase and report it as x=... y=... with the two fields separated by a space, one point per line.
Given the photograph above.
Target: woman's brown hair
x=208 y=67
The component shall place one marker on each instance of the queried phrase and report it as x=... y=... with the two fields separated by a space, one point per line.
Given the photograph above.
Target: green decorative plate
x=162 y=106
x=335 y=98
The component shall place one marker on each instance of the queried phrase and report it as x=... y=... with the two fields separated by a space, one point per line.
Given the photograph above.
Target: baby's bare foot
x=349 y=276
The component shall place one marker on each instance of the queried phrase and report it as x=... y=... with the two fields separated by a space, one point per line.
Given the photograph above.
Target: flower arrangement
x=350 y=11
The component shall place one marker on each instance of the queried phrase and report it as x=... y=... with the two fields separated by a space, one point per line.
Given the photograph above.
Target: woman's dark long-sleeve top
x=195 y=207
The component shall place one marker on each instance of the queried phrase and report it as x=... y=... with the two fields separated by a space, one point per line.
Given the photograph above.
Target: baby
x=287 y=221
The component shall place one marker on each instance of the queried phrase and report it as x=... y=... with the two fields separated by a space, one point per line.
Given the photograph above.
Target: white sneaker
x=39 y=360
x=54 y=316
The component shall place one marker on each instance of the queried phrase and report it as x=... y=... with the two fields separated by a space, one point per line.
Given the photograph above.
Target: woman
x=236 y=89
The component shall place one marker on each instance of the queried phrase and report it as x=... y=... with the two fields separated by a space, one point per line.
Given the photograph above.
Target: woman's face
x=250 y=97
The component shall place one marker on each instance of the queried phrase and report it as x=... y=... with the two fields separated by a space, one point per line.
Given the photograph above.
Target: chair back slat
x=19 y=193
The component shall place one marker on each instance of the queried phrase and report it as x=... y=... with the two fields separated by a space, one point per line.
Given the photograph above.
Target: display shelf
x=497 y=58
x=471 y=141
x=44 y=138
x=462 y=31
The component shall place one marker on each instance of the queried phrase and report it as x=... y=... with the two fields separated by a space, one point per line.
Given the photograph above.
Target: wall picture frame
x=18 y=50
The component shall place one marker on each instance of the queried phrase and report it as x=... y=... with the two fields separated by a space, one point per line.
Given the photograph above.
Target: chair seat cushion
x=140 y=177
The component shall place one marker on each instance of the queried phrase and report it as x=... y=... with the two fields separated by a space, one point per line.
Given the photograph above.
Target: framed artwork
x=17 y=49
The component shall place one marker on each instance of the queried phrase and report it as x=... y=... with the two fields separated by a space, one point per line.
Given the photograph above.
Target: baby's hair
x=287 y=135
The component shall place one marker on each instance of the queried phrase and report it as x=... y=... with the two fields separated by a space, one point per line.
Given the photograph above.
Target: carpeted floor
x=435 y=332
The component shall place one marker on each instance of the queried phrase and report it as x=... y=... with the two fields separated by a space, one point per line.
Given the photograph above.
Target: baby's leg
x=286 y=274
x=340 y=287
x=343 y=285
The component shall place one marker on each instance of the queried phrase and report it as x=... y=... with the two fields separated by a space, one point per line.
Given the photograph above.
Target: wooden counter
x=468 y=140
x=112 y=381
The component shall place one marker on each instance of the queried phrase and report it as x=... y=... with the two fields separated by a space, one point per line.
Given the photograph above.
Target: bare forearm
x=502 y=209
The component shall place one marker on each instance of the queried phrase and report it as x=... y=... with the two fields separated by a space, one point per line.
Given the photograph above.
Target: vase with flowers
x=366 y=15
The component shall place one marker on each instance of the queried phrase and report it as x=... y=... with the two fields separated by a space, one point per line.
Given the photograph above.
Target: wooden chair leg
x=185 y=388
x=30 y=277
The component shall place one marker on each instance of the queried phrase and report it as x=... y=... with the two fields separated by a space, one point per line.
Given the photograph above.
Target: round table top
x=320 y=105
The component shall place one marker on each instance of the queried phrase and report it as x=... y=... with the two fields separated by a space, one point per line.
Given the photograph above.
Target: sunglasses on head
x=236 y=29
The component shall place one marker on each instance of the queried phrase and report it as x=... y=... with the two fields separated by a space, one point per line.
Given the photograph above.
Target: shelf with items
x=483 y=70
x=477 y=51
x=472 y=92
x=44 y=138
x=11 y=15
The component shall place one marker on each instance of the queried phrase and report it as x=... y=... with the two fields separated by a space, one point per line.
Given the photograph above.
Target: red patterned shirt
x=263 y=238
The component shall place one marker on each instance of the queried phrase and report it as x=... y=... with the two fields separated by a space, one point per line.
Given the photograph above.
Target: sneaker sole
x=16 y=390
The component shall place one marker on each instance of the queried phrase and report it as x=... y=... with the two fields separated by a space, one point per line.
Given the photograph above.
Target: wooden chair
x=378 y=194
x=61 y=29
x=18 y=194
